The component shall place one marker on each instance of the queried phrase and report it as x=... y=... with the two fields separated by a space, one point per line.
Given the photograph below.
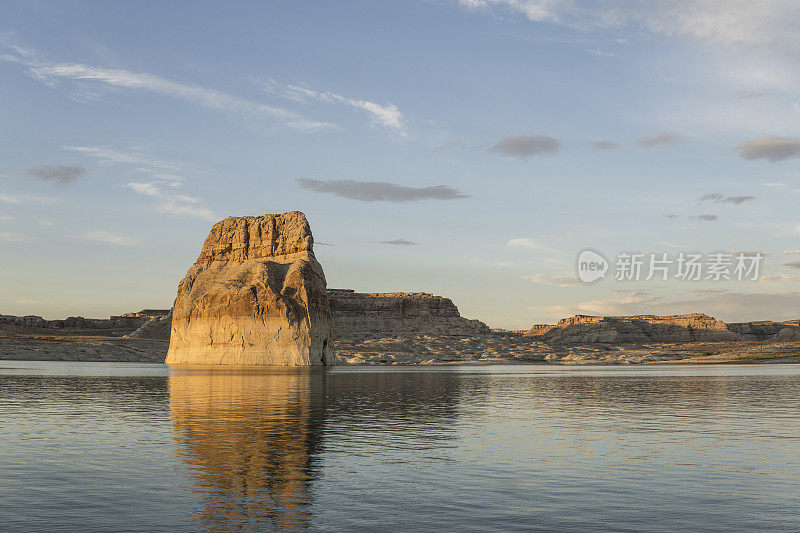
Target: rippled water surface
x=128 y=447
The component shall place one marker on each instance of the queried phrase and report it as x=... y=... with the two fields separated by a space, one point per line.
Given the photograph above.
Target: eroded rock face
x=397 y=313
x=255 y=296
x=583 y=329
x=788 y=334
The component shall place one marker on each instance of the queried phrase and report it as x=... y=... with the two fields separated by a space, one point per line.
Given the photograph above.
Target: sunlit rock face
x=397 y=313
x=584 y=329
x=255 y=296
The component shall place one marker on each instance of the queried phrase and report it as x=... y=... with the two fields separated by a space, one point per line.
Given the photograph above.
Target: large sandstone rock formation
x=255 y=296
x=397 y=313
x=583 y=329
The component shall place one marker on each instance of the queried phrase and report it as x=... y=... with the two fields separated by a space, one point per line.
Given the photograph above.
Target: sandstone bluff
x=255 y=296
x=693 y=327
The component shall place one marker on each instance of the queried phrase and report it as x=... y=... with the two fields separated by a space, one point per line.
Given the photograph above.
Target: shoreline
x=423 y=350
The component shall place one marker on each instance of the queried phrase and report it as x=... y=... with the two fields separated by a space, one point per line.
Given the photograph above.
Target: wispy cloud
x=157 y=169
x=387 y=115
x=601 y=53
x=24 y=301
x=6 y=236
x=106 y=155
x=173 y=204
x=110 y=238
x=453 y=144
x=526 y=146
x=50 y=73
x=793 y=264
x=159 y=179
x=770 y=147
x=704 y=218
x=659 y=139
x=525 y=242
x=23 y=198
x=603 y=145
x=777 y=277
x=719 y=198
x=379 y=191
x=399 y=242
x=556 y=281
x=62 y=174
x=620 y=302
x=723 y=22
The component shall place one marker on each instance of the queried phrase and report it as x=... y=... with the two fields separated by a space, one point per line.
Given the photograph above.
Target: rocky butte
x=255 y=296
x=391 y=313
x=693 y=327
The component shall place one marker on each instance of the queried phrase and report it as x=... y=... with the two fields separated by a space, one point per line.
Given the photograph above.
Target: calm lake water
x=134 y=447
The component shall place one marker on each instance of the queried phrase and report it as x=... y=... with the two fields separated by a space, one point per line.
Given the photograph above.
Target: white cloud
x=148 y=189
x=158 y=169
x=174 y=204
x=50 y=73
x=601 y=53
x=725 y=48
x=388 y=115
x=620 y=303
x=778 y=277
x=22 y=198
x=780 y=229
x=187 y=205
x=110 y=238
x=557 y=281
x=718 y=21
x=525 y=242
x=6 y=236
x=112 y=156
x=160 y=174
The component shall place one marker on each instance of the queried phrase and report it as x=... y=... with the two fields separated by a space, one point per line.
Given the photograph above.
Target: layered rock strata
x=393 y=313
x=255 y=296
x=124 y=322
x=584 y=329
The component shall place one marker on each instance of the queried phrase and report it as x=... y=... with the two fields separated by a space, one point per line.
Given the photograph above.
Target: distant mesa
x=694 y=327
x=255 y=296
x=393 y=313
x=114 y=325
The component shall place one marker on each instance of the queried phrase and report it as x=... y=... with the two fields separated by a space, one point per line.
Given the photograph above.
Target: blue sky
x=466 y=148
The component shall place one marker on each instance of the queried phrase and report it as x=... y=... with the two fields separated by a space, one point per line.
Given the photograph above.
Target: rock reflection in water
x=252 y=438
x=249 y=438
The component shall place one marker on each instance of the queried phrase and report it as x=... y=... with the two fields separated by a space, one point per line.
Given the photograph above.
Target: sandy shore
x=47 y=345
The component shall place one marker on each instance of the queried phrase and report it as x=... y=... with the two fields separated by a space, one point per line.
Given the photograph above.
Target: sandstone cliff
x=584 y=329
x=255 y=296
x=393 y=313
